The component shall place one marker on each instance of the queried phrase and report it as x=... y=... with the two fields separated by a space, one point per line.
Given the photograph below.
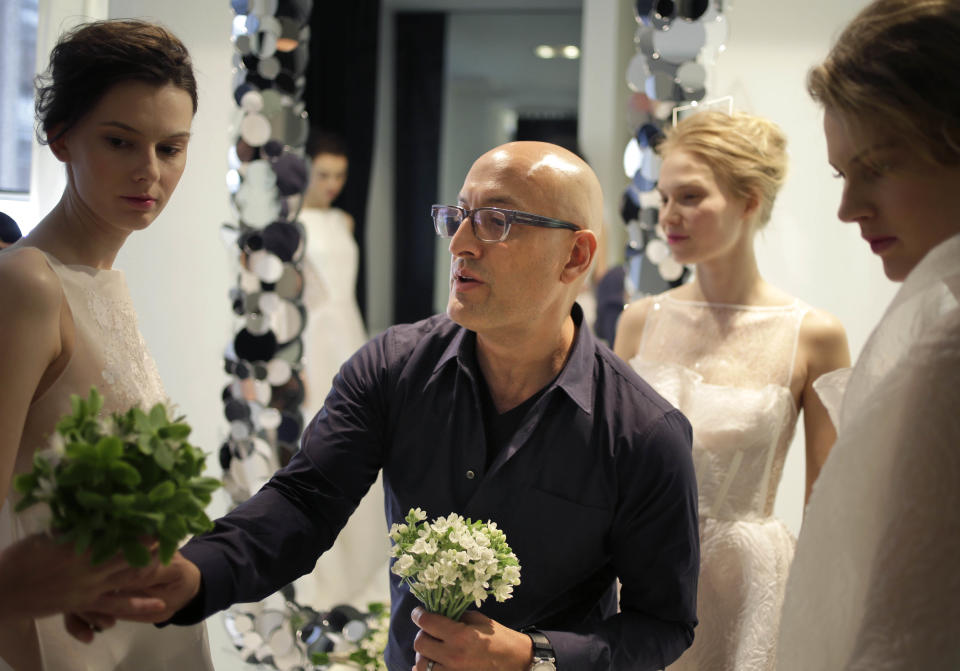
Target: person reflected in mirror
x=506 y=408
x=9 y=231
x=739 y=357
x=354 y=571
x=115 y=107
x=874 y=584
x=334 y=327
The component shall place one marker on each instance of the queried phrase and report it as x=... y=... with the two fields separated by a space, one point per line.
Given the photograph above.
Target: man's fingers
x=128 y=607
x=428 y=647
x=128 y=575
x=437 y=626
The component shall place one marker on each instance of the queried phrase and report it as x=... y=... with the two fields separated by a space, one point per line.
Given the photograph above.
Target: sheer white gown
x=875 y=584
x=354 y=570
x=728 y=369
x=109 y=353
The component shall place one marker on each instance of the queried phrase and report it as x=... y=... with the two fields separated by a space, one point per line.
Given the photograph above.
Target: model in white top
x=116 y=109
x=875 y=583
x=739 y=358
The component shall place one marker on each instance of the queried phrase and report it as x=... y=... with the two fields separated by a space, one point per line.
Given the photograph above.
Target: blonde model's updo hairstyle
x=747 y=154
x=895 y=69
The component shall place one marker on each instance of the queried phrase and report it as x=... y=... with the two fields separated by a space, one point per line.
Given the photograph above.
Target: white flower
x=402 y=566
x=511 y=574
x=429 y=576
x=502 y=590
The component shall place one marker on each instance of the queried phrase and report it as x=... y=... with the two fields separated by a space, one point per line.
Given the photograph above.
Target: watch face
x=543 y=665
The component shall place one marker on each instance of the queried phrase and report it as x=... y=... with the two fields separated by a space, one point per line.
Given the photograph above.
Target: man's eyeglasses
x=490 y=224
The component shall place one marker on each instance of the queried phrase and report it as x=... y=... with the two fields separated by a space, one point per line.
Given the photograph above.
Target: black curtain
x=341 y=97
x=420 y=39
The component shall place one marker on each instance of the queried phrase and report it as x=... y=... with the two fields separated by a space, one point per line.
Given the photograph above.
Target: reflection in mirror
x=692 y=9
x=681 y=43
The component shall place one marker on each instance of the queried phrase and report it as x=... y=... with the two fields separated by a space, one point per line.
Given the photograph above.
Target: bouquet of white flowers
x=452 y=562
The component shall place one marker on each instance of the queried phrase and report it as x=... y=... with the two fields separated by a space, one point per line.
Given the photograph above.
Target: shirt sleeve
x=912 y=610
x=276 y=535
x=656 y=554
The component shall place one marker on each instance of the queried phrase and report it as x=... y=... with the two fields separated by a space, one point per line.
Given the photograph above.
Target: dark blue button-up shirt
x=596 y=484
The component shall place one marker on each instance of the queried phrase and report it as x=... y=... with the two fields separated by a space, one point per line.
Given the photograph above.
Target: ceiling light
x=571 y=51
x=545 y=51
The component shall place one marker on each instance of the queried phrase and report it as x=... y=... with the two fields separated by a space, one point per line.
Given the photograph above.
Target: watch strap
x=542 y=650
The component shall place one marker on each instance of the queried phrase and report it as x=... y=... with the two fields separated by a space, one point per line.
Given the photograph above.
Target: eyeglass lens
x=488 y=225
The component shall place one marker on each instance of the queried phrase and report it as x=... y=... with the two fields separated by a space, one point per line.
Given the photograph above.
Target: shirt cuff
x=572 y=651
x=212 y=592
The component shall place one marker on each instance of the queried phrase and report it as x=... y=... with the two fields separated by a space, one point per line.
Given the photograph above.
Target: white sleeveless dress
x=355 y=570
x=109 y=353
x=728 y=369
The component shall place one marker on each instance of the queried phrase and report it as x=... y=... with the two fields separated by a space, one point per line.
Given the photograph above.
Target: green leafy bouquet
x=452 y=562
x=111 y=483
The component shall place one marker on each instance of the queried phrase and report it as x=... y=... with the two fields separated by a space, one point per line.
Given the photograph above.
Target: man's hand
x=40 y=577
x=173 y=586
x=475 y=643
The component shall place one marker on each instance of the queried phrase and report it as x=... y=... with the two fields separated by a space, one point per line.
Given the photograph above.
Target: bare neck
x=733 y=279
x=73 y=234
x=516 y=368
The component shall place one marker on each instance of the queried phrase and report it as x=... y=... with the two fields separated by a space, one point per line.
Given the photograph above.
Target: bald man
x=507 y=409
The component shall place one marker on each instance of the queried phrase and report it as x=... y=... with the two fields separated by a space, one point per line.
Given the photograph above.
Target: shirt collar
x=576 y=379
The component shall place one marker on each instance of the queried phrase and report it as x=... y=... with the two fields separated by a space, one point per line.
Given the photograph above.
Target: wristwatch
x=543 y=659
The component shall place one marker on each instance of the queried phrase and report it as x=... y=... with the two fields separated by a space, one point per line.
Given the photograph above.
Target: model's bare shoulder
x=824 y=343
x=31 y=289
x=626 y=343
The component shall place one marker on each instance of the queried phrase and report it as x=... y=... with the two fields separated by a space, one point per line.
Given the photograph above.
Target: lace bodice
x=109 y=353
x=728 y=368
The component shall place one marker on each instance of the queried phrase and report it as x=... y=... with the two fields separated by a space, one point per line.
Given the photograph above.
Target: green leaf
x=174 y=431
x=204 y=485
x=110 y=448
x=94 y=401
x=136 y=554
x=143 y=443
x=174 y=527
x=123 y=502
x=167 y=548
x=125 y=474
x=155 y=519
x=92 y=499
x=162 y=492
x=25 y=483
x=164 y=456
x=319 y=658
x=158 y=416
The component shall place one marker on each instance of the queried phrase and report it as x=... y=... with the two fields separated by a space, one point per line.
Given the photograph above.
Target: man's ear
x=59 y=145
x=581 y=255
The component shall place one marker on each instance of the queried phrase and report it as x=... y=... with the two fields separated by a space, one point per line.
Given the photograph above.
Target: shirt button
x=471 y=475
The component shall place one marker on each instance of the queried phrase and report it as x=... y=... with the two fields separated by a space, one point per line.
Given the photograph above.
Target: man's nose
x=464 y=242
